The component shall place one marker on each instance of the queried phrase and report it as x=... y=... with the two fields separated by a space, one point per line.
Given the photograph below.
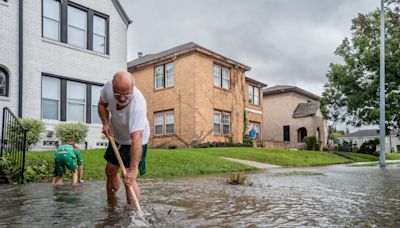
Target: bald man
x=122 y=109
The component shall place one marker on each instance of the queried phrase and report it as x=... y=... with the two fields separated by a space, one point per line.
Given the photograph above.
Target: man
x=129 y=126
x=252 y=134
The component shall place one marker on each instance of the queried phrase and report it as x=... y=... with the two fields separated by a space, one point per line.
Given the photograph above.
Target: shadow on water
x=339 y=196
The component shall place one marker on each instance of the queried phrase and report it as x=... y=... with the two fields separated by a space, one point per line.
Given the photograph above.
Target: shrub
x=369 y=147
x=71 y=132
x=33 y=130
x=312 y=143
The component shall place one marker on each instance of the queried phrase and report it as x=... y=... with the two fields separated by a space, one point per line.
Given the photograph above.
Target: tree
x=351 y=94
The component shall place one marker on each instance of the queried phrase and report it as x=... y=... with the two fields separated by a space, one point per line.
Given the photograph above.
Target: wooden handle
x=121 y=164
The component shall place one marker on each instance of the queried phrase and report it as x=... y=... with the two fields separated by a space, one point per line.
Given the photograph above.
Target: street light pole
x=382 y=91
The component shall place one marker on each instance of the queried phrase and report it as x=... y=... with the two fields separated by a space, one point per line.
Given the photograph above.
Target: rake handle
x=121 y=164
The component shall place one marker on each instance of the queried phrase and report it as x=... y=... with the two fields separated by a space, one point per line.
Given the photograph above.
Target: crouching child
x=65 y=157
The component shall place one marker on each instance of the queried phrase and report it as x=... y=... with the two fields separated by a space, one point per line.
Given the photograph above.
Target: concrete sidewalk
x=258 y=165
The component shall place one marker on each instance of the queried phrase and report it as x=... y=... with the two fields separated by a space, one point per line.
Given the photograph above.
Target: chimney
x=140 y=54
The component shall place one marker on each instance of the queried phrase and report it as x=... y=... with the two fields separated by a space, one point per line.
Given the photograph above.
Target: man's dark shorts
x=125 y=152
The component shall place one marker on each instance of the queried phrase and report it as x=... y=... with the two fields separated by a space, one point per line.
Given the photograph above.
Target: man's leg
x=112 y=181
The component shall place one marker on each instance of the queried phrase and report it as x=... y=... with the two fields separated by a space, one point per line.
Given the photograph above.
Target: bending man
x=122 y=109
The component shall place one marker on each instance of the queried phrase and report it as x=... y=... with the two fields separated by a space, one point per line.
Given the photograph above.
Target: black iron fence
x=13 y=142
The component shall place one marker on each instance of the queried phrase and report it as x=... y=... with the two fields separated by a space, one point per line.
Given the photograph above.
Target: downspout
x=20 y=56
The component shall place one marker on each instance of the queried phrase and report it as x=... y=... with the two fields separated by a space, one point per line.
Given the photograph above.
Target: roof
x=179 y=50
x=364 y=133
x=286 y=89
x=122 y=12
x=306 y=109
x=260 y=84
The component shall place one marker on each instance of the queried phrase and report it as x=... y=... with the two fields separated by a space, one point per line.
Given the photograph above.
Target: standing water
x=340 y=196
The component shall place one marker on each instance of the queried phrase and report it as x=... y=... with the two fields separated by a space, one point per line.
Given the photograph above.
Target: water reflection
x=342 y=196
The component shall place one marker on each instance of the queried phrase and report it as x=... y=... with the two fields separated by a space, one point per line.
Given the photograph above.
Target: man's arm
x=136 y=155
x=102 y=108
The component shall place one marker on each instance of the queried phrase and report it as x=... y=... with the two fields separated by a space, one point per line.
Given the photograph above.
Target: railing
x=13 y=142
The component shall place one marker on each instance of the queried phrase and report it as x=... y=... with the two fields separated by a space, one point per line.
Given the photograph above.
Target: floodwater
x=342 y=196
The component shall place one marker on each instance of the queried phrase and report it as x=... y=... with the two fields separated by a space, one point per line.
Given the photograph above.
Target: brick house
x=195 y=95
x=55 y=56
x=290 y=114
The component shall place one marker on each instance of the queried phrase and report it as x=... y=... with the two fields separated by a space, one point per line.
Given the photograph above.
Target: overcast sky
x=285 y=42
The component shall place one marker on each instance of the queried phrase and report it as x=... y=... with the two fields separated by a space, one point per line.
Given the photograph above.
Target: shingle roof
x=285 y=89
x=306 y=109
x=175 y=51
x=364 y=133
x=256 y=82
x=121 y=12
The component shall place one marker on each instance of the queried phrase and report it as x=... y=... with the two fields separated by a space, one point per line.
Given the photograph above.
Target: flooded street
x=336 y=196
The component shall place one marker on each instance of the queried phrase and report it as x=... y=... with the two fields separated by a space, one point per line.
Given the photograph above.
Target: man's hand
x=107 y=130
x=131 y=174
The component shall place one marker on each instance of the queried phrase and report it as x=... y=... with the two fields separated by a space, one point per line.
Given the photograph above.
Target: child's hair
x=71 y=143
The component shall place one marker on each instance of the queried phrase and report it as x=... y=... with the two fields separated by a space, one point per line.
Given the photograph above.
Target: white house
x=361 y=136
x=54 y=57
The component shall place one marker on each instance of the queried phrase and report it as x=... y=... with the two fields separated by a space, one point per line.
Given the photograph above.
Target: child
x=65 y=157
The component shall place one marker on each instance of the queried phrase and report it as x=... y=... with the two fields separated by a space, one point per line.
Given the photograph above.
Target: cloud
x=284 y=41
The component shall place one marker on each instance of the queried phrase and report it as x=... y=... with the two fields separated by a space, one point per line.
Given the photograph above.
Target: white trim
x=58 y=43
x=253 y=111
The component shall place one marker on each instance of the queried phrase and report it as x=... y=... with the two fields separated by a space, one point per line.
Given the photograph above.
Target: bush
x=33 y=130
x=221 y=144
x=71 y=132
x=369 y=147
x=312 y=143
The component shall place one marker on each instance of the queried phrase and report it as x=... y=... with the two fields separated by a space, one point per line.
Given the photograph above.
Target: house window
x=254 y=95
x=164 y=76
x=50 y=98
x=99 y=34
x=169 y=123
x=85 y=28
x=222 y=77
x=4 y=81
x=164 y=120
x=77 y=27
x=217 y=122
x=70 y=99
x=257 y=128
x=158 y=124
x=95 y=99
x=226 y=123
x=51 y=19
x=76 y=101
x=286 y=133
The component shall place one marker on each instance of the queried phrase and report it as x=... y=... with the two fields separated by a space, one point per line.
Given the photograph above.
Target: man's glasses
x=126 y=95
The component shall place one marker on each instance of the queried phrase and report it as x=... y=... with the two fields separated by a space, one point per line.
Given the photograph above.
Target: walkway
x=258 y=165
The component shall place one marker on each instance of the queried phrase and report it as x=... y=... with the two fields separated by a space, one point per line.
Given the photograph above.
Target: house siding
x=45 y=56
x=194 y=98
x=278 y=112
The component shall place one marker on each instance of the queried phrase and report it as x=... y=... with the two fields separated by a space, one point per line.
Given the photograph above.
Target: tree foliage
x=351 y=94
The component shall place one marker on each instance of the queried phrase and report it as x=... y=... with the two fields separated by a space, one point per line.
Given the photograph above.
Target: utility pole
x=382 y=91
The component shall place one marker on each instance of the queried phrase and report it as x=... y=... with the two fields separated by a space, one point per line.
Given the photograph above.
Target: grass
x=160 y=163
x=393 y=156
x=287 y=158
x=190 y=162
x=358 y=157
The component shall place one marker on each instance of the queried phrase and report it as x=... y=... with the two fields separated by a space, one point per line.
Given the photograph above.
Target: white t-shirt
x=128 y=120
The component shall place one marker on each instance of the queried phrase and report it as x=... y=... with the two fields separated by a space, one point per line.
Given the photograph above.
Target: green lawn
x=185 y=162
x=358 y=157
x=287 y=158
x=393 y=156
x=160 y=163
